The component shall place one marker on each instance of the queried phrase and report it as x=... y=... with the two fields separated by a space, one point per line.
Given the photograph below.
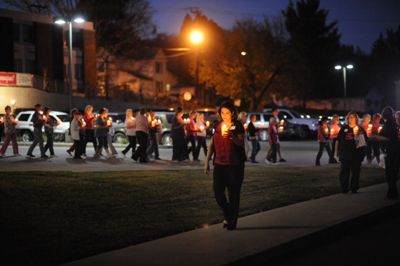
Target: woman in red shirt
x=89 y=119
x=227 y=146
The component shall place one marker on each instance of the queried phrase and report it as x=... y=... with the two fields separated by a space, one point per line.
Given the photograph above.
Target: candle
x=207 y=123
x=245 y=125
x=224 y=130
x=355 y=130
x=379 y=130
x=153 y=123
x=158 y=122
x=281 y=122
x=1 y=119
x=332 y=131
x=326 y=130
x=41 y=112
x=109 y=121
x=281 y=129
x=201 y=128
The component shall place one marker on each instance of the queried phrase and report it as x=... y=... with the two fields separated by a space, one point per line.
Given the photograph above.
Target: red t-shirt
x=226 y=151
x=272 y=134
x=89 y=120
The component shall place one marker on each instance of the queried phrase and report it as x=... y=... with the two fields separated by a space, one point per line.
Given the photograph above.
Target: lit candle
x=281 y=129
x=159 y=122
x=207 y=123
x=41 y=112
x=326 y=130
x=224 y=130
x=332 y=131
x=379 y=130
x=153 y=123
x=201 y=128
x=1 y=119
x=355 y=130
x=245 y=125
x=109 y=121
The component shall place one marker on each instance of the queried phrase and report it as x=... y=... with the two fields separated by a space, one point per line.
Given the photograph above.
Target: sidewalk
x=266 y=231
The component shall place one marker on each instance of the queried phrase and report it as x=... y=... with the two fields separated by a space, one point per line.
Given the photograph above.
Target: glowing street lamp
x=196 y=37
x=62 y=21
x=343 y=68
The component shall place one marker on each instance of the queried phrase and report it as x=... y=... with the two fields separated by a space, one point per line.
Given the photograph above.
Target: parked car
x=166 y=121
x=25 y=126
x=119 y=126
x=303 y=124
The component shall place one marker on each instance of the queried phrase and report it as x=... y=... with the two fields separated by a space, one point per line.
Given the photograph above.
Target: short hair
x=192 y=112
x=274 y=109
x=387 y=113
x=178 y=110
x=272 y=120
x=7 y=107
x=38 y=105
x=46 y=109
x=103 y=110
x=376 y=116
x=366 y=115
x=231 y=107
x=252 y=115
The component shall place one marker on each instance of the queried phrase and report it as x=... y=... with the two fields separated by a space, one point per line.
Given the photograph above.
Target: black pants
x=228 y=177
x=131 y=145
x=50 y=142
x=78 y=148
x=255 y=149
x=391 y=173
x=140 y=153
x=322 y=146
x=346 y=167
x=103 y=143
x=89 y=137
x=201 y=143
x=333 y=148
x=376 y=152
x=179 y=148
x=192 y=148
x=153 y=145
x=271 y=155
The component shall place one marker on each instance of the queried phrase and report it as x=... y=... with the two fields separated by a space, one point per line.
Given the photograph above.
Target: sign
x=8 y=78
x=16 y=79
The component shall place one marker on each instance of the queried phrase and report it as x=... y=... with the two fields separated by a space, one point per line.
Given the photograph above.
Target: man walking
x=38 y=121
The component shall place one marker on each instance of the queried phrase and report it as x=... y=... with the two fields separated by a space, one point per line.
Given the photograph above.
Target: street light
x=62 y=21
x=343 y=68
x=197 y=38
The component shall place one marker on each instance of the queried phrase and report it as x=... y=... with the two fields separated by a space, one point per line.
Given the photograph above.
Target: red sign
x=8 y=79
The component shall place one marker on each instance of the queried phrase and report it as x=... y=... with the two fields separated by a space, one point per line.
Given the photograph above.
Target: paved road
x=297 y=153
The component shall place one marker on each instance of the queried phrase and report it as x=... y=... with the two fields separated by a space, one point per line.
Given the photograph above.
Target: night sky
x=360 y=21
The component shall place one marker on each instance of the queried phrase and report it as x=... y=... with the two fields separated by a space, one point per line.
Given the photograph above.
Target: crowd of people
x=351 y=143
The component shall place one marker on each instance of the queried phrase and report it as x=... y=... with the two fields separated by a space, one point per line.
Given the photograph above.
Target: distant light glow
x=79 y=20
x=13 y=102
x=243 y=53
x=350 y=66
x=60 y=21
x=196 y=37
x=338 y=67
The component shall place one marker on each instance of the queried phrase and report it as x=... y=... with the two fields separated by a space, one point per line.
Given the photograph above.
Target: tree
x=251 y=63
x=316 y=44
x=385 y=61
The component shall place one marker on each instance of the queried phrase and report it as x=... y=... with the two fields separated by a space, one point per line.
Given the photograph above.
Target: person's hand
x=206 y=167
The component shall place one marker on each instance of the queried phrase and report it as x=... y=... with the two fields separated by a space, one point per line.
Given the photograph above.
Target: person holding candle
x=49 y=131
x=10 y=132
x=142 y=131
x=110 y=137
x=272 y=140
x=323 y=135
x=367 y=126
x=334 y=131
x=275 y=112
x=38 y=120
x=375 y=129
x=227 y=146
x=179 y=146
x=155 y=127
x=201 y=135
x=130 y=125
x=88 y=130
x=76 y=135
x=390 y=144
x=191 y=134
x=350 y=151
x=101 y=132
x=242 y=118
x=253 y=132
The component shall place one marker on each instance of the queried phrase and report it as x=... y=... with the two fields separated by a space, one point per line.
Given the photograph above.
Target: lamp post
x=197 y=38
x=344 y=68
x=61 y=21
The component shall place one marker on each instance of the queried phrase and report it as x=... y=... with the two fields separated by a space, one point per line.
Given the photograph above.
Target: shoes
x=282 y=160
x=30 y=155
x=123 y=153
x=158 y=158
x=317 y=164
x=224 y=224
x=16 y=155
x=78 y=158
x=69 y=152
x=44 y=156
x=254 y=161
x=134 y=158
x=267 y=161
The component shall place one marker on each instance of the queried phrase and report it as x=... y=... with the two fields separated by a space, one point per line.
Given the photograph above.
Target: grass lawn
x=53 y=217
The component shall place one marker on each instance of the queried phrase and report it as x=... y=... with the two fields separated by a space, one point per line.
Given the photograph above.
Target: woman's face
x=335 y=120
x=253 y=118
x=179 y=115
x=352 y=120
x=366 y=120
x=129 y=114
x=89 y=110
x=226 y=115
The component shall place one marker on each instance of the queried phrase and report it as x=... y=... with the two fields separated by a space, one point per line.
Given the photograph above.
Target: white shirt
x=75 y=127
x=130 y=122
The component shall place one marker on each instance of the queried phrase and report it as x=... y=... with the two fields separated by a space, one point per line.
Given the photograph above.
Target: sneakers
x=44 y=156
x=282 y=160
x=30 y=155
x=69 y=152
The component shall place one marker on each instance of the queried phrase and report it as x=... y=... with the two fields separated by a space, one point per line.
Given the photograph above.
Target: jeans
x=131 y=145
x=37 y=138
x=255 y=149
x=140 y=153
x=323 y=145
x=49 y=144
x=201 y=143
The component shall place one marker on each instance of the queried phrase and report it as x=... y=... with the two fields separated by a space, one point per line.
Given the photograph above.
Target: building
x=34 y=48
x=145 y=80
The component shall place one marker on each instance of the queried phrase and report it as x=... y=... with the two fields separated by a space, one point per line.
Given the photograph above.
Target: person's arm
x=210 y=153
